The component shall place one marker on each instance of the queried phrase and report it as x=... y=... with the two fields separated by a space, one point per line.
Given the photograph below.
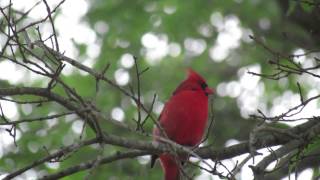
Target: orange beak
x=209 y=90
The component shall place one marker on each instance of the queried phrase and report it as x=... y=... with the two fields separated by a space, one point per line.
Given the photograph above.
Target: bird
x=183 y=120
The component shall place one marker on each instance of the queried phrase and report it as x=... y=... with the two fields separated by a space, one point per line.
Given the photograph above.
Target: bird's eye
x=203 y=85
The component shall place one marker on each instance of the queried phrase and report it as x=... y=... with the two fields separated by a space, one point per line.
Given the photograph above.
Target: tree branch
x=90 y=164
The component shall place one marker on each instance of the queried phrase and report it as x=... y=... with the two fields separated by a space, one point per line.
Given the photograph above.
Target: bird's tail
x=170 y=167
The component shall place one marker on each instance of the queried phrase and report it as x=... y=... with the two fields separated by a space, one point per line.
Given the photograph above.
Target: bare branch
x=58 y=154
x=90 y=164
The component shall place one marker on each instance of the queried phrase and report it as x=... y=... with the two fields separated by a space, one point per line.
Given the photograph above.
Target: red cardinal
x=183 y=119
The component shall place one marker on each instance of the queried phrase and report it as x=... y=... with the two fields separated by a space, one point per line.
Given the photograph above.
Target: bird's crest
x=192 y=75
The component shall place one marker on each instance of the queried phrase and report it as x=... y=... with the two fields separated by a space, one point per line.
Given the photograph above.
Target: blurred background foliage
x=212 y=37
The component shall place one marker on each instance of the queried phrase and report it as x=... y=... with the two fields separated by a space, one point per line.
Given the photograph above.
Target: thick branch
x=42 y=92
x=90 y=164
x=259 y=169
x=57 y=154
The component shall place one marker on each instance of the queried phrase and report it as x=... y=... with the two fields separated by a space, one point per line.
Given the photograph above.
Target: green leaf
x=292 y=7
x=307 y=5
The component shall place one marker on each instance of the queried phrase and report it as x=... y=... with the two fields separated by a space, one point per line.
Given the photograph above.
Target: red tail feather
x=170 y=166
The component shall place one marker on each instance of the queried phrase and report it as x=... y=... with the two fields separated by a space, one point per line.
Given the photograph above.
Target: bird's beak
x=209 y=91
